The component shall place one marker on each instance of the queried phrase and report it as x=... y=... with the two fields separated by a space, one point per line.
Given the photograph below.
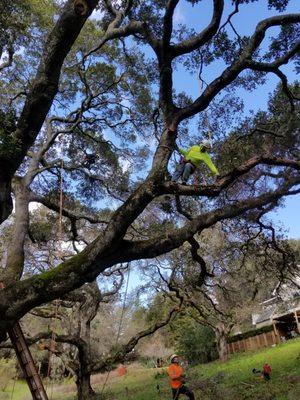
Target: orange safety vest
x=121 y=370
x=266 y=368
x=175 y=374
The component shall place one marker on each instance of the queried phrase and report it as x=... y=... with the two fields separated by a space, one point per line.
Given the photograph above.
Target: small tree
x=195 y=341
x=221 y=288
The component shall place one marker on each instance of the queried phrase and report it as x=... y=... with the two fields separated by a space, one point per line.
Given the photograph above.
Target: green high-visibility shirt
x=196 y=156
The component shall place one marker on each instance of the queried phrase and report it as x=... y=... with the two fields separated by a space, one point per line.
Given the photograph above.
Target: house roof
x=276 y=310
x=265 y=315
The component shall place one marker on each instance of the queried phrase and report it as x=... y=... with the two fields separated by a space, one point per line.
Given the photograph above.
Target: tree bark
x=86 y=313
x=6 y=204
x=84 y=388
x=110 y=249
x=43 y=90
x=15 y=253
x=221 y=338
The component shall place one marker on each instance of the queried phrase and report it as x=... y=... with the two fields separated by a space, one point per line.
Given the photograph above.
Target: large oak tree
x=257 y=179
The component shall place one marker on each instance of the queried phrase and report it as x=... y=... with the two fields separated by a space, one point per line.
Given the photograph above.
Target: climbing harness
x=89 y=159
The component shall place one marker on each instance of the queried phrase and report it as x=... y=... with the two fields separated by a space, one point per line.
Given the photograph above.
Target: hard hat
x=173 y=356
x=206 y=143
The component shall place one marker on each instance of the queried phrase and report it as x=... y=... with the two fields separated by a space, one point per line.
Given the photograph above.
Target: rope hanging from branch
x=13 y=388
x=60 y=255
x=59 y=234
x=206 y=122
x=53 y=345
x=120 y=325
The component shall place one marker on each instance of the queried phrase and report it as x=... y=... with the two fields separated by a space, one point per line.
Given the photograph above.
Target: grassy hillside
x=236 y=381
x=233 y=380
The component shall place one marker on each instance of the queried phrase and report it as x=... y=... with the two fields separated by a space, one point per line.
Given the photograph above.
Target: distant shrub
x=196 y=343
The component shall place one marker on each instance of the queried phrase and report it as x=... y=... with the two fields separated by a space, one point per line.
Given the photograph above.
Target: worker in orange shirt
x=176 y=376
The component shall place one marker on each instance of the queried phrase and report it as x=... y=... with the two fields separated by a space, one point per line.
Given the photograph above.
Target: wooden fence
x=253 y=343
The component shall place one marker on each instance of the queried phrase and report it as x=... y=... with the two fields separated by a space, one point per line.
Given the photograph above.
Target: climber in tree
x=191 y=160
x=89 y=159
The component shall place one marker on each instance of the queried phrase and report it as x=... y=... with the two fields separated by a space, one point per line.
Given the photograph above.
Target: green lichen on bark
x=61 y=272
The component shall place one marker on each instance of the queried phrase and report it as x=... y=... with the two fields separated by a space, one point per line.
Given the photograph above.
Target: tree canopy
x=73 y=86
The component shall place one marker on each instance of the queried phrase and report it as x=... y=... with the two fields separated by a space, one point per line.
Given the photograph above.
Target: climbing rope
x=53 y=346
x=120 y=326
x=13 y=388
x=206 y=122
x=60 y=209
x=57 y=302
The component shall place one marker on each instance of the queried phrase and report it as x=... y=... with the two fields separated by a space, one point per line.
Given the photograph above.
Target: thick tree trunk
x=221 y=338
x=15 y=253
x=110 y=248
x=86 y=313
x=43 y=90
x=84 y=388
x=6 y=204
x=222 y=348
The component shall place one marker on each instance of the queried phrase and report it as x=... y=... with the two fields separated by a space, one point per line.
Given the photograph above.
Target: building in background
x=277 y=320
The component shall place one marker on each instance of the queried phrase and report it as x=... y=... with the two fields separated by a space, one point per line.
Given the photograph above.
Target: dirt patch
x=293 y=378
x=101 y=378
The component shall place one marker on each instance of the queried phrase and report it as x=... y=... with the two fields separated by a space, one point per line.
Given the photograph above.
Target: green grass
x=236 y=381
x=233 y=380
x=19 y=391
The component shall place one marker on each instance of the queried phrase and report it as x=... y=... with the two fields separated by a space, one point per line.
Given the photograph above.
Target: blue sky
x=288 y=216
x=197 y=17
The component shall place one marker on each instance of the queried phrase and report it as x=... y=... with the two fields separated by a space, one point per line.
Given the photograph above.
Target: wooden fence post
x=273 y=337
x=265 y=339
x=276 y=332
x=257 y=341
x=244 y=345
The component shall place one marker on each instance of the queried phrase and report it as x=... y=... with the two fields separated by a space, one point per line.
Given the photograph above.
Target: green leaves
x=279 y=5
x=196 y=342
x=9 y=145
